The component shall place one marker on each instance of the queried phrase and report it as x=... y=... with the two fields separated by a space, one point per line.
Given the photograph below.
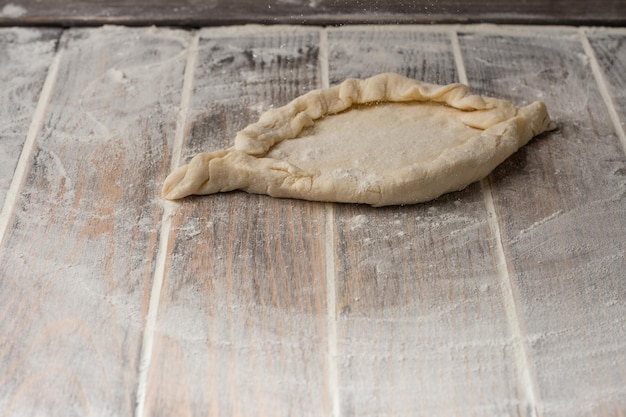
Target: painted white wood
x=607 y=52
x=77 y=259
x=113 y=302
x=422 y=321
x=241 y=329
x=26 y=55
x=563 y=216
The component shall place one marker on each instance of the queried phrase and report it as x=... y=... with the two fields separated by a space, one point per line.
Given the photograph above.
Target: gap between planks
x=169 y=208
x=329 y=258
x=35 y=128
x=507 y=286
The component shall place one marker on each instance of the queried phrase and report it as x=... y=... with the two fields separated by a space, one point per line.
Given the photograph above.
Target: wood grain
x=421 y=322
x=610 y=51
x=241 y=329
x=561 y=207
x=26 y=55
x=282 y=307
x=319 y=12
x=76 y=262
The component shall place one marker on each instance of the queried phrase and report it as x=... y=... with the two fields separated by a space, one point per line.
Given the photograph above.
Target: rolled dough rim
x=286 y=122
x=424 y=181
x=502 y=124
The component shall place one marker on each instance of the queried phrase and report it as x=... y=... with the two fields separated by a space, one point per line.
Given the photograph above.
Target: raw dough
x=384 y=140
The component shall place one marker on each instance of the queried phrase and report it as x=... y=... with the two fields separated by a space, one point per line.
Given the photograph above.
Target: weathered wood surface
x=26 y=55
x=504 y=299
x=561 y=204
x=242 y=318
x=609 y=47
x=319 y=12
x=421 y=322
x=77 y=258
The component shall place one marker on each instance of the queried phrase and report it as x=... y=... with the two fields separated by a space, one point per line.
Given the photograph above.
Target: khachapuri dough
x=381 y=141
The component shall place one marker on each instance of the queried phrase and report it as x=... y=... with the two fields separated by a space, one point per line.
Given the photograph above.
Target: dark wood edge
x=192 y=13
x=339 y=20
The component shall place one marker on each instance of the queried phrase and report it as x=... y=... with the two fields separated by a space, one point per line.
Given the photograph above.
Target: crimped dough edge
x=245 y=167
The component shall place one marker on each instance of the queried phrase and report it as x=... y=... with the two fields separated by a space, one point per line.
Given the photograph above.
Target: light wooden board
x=26 y=55
x=421 y=323
x=241 y=329
x=562 y=212
x=609 y=47
x=504 y=299
x=77 y=259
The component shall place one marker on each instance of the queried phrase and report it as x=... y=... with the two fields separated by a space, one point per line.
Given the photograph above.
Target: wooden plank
x=320 y=12
x=421 y=328
x=561 y=206
x=241 y=329
x=76 y=262
x=26 y=55
x=610 y=50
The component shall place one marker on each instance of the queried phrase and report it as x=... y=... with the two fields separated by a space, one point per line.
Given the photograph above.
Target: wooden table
x=505 y=299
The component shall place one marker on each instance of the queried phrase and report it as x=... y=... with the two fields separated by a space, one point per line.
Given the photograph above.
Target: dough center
x=378 y=138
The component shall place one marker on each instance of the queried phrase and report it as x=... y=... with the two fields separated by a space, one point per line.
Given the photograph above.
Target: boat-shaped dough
x=382 y=141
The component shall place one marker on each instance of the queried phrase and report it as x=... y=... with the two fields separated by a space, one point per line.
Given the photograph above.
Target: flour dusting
x=26 y=55
x=542 y=221
x=12 y=11
x=358 y=221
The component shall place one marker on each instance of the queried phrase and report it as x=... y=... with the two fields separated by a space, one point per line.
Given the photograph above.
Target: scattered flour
x=542 y=221
x=310 y=3
x=358 y=221
x=117 y=75
x=12 y=11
